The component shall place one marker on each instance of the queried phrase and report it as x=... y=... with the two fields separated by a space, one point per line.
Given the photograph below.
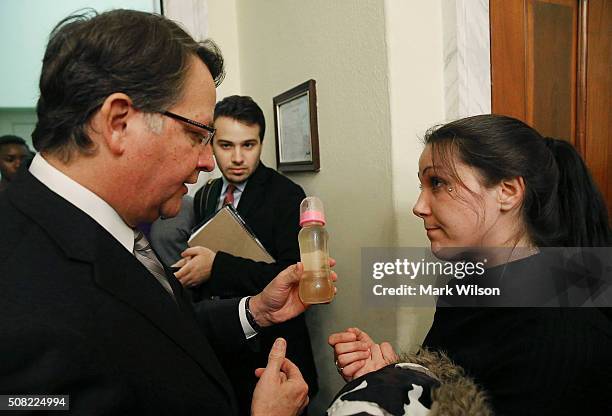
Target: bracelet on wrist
x=250 y=317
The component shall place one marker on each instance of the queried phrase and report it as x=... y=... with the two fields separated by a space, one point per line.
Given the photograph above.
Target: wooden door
x=551 y=66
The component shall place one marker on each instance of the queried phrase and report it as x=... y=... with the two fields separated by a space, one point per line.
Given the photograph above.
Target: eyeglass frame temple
x=189 y=121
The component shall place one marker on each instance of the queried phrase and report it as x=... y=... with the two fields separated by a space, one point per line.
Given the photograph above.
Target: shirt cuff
x=248 y=330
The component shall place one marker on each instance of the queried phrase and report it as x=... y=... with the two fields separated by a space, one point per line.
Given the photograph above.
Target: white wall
x=416 y=89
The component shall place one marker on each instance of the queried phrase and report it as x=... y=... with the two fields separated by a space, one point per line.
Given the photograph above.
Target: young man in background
x=269 y=203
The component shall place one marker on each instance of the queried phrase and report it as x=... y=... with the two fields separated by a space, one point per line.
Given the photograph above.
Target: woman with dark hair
x=491 y=184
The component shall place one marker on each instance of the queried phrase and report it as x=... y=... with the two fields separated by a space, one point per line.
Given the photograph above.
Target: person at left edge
x=121 y=129
x=13 y=152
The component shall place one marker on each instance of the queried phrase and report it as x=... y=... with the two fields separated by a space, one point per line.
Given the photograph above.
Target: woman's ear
x=511 y=193
x=112 y=119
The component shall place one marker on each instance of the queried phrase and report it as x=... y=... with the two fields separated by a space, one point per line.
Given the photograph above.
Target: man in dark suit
x=270 y=205
x=87 y=309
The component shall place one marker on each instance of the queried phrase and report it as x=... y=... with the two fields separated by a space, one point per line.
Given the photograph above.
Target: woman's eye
x=436 y=182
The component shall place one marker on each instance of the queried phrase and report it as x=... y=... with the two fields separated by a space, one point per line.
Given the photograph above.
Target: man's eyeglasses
x=204 y=137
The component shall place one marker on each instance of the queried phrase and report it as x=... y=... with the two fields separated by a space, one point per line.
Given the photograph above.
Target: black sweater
x=531 y=360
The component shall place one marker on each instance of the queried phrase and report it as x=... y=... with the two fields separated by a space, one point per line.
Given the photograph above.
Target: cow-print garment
x=395 y=390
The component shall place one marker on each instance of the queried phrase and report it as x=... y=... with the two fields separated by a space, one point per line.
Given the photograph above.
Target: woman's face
x=456 y=213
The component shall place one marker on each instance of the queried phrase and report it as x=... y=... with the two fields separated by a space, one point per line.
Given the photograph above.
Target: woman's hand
x=356 y=354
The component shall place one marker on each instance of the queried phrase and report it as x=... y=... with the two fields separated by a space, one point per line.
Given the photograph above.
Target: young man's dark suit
x=269 y=205
x=82 y=316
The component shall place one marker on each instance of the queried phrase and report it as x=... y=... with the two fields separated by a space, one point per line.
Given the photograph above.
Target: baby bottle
x=316 y=285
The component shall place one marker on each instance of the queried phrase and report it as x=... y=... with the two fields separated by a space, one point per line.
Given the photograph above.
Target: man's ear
x=111 y=121
x=511 y=193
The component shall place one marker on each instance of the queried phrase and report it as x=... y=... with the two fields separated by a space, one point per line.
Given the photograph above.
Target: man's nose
x=237 y=156
x=206 y=162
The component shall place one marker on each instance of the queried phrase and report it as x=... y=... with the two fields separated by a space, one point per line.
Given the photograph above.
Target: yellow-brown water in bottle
x=316 y=285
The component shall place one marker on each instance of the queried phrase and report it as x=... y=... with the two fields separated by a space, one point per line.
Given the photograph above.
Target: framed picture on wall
x=296 y=130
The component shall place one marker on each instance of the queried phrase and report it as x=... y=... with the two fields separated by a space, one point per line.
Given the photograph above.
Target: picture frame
x=296 y=129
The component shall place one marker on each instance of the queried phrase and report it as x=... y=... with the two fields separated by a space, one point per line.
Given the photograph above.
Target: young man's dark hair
x=91 y=56
x=243 y=109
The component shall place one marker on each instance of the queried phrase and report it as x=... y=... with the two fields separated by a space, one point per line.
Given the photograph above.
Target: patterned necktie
x=144 y=253
x=229 y=195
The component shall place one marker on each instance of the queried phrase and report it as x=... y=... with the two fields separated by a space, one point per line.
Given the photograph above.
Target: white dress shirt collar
x=84 y=199
x=239 y=186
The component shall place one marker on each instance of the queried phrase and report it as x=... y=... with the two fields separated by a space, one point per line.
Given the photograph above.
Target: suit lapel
x=125 y=278
x=253 y=193
x=128 y=280
x=210 y=204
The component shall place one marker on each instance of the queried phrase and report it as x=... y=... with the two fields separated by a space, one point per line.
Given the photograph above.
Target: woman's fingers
x=348 y=347
x=338 y=337
x=377 y=356
x=388 y=353
x=361 y=335
x=344 y=360
x=349 y=372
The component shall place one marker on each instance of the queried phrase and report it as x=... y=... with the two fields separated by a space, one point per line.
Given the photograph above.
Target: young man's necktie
x=229 y=195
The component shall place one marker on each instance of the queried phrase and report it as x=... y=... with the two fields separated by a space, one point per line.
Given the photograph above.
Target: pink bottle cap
x=311 y=210
x=310 y=216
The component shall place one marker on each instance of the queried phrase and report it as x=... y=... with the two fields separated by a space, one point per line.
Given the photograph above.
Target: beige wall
x=223 y=28
x=378 y=67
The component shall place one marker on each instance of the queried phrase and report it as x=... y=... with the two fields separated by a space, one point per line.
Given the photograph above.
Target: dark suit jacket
x=81 y=316
x=270 y=205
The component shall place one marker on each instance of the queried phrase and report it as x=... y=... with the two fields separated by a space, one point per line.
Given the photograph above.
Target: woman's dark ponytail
x=581 y=207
